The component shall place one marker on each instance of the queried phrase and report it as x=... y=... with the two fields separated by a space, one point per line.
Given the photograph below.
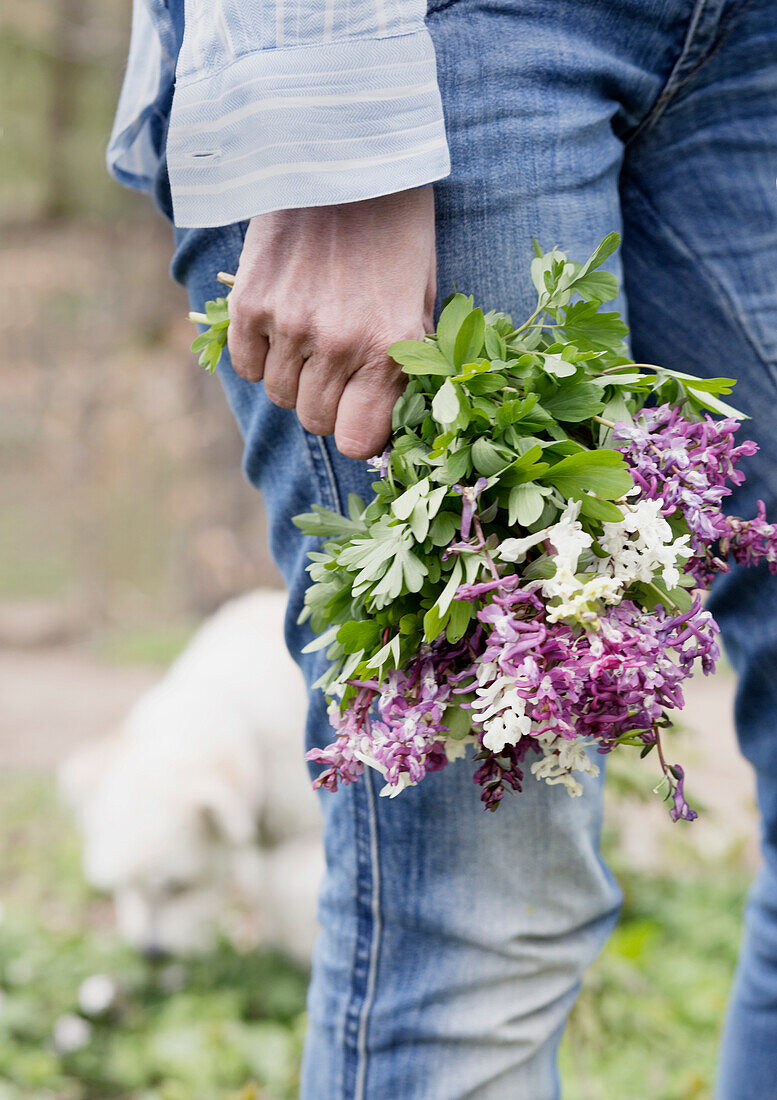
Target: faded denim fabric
x=454 y=941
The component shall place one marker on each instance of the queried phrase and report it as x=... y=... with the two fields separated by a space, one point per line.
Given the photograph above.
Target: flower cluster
x=691 y=467
x=525 y=587
x=566 y=666
x=532 y=683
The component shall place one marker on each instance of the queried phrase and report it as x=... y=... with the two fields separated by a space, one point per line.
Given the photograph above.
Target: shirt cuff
x=306 y=126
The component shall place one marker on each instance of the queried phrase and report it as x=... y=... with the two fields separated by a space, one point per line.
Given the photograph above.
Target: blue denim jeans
x=453 y=942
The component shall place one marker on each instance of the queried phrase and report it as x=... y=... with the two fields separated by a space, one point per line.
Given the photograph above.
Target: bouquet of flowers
x=528 y=578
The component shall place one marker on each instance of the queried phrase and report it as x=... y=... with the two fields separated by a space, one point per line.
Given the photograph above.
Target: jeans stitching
x=372 y=974
x=727 y=303
x=674 y=82
x=322 y=468
x=368 y=920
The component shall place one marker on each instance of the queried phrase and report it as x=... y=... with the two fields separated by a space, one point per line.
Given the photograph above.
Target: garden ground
x=230 y=1026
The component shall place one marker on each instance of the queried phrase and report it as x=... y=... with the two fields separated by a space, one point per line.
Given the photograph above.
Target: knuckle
x=293 y=327
x=343 y=342
x=246 y=310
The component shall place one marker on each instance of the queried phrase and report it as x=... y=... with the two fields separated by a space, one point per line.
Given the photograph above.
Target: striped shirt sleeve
x=293 y=103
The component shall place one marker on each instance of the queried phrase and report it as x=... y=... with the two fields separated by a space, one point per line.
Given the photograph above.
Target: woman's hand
x=319 y=295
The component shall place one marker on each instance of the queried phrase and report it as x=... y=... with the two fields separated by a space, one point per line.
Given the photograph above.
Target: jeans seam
x=727 y=303
x=674 y=82
x=374 y=950
x=322 y=468
x=368 y=920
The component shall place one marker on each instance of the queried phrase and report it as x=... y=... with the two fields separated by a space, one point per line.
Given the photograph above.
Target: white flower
x=489 y=697
x=71 y=1033
x=516 y=549
x=456 y=747
x=642 y=543
x=579 y=601
x=97 y=994
x=391 y=790
x=560 y=758
x=506 y=728
x=568 y=538
x=501 y=712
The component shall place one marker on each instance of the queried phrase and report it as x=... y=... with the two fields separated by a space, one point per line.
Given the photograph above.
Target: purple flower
x=470 y=498
x=380 y=463
x=690 y=466
x=752 y=541
x=680 y=810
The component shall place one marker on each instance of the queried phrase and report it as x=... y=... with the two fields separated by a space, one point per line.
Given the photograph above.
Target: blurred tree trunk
x=65 y=74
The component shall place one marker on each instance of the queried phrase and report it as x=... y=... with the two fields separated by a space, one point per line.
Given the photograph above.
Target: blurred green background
x=123 y=521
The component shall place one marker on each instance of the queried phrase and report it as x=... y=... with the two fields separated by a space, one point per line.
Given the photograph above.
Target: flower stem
x=663 y=596
x=526 y=324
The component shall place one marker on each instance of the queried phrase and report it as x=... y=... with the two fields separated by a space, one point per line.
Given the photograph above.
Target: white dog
x=205 y=786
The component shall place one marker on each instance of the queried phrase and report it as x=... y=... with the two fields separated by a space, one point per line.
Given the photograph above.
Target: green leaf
x=357 y=636
x=469 y=339
x=714 y=404
x=434 y=623
x=496 y=348
x=711 y=385
x=552 y=274
x=616 y=409
x=324 y=523
x=589 y=329
x=461 y=613
x=322 y=641
x=217 y=311
x=675 y=599
x=404 y=504
x=408 y=411
x=601 y=253
x=458 y=721
x=450 y=322
x=445 y=403
x=597 y=286
x=525 y=504
x=542 y=568
x=419 y=357
x=211 y=343
x=558 y=366
x=446 y=596
x=596 y=508
x=487 y=458
x=575 y=403
x=389 y=652
x=602 y=472
x=443 y=528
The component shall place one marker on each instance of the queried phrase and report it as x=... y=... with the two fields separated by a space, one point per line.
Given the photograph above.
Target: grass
x=647 y=1023
x=230 y=1027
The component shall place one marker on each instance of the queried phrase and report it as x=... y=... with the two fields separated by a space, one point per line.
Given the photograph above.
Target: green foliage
x=647 y=1022
x=210 y=344
x=198 y=1028
x=528 y=410
x=645 y=1027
